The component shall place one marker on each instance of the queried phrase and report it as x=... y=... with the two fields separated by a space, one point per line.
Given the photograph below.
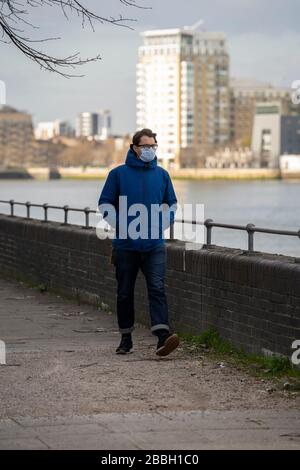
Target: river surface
x=269 y=204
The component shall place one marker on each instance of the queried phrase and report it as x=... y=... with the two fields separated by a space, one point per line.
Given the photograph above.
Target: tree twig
x=12 y=13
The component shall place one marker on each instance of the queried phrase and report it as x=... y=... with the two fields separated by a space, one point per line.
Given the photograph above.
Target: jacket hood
x=133 y=160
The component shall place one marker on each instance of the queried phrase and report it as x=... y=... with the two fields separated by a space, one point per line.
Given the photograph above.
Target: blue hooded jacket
x=142 y=183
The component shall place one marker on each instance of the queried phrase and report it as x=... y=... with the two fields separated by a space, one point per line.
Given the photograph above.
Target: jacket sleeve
x=168 y=215
x=108 y=202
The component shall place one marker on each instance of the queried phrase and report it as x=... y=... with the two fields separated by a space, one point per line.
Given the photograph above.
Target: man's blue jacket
x=142 y=183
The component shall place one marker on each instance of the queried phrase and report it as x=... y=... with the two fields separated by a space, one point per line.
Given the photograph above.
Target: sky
x=263 y=42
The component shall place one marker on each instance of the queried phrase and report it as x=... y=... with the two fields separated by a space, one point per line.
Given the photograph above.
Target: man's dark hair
x=138 y=135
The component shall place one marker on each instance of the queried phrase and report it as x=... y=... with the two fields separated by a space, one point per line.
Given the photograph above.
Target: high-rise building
x=274 y=134
x=87 y=125
x=16 y=138
x=95 y=126
x=183 y=90
x=104 y=124
x=65 y=129
x=244 y=95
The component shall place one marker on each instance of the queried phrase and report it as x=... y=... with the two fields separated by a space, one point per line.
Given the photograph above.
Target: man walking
x=144 y=183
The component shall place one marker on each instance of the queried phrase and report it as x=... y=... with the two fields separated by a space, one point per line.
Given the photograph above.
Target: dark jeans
x=153 y=266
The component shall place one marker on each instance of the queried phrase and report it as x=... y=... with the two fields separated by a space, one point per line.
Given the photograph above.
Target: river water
x=268 y=204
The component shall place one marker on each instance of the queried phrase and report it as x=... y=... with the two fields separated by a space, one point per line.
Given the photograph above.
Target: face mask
x=147 y=155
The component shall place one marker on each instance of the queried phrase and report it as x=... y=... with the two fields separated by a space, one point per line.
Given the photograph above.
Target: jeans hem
x=160 y=327
x=126 y=330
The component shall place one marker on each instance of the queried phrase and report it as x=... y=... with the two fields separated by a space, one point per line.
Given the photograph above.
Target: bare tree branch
x=14 y=13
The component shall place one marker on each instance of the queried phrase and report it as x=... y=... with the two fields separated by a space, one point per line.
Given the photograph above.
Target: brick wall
x=253 y=300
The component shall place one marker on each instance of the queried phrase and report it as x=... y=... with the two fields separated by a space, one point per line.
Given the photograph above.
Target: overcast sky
x=263 y=40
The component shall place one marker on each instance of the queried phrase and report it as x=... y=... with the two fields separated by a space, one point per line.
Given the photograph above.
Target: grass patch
x=211 y=343
x=42 y=288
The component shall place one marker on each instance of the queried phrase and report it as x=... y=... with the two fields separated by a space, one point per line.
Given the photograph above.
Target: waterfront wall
x=183 y=173
x=253 y=300
x=226 y=173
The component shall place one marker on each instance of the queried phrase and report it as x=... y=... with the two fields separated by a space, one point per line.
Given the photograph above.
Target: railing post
x=172 y=231
x=66 y=210
x=28 y=209
x=251 y=230
x=209 y=225
x=45 y=206
x=87 y=213
x=11 y=207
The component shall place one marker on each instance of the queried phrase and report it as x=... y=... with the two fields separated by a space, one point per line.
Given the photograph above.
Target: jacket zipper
x=144 y=201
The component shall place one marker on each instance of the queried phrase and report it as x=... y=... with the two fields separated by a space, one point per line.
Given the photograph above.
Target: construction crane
x=194 y=26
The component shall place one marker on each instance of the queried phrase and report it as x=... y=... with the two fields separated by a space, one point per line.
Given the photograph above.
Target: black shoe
x=166 y=343
x=125 y=346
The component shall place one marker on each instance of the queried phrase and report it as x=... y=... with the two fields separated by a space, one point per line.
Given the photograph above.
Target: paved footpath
x=63 y=387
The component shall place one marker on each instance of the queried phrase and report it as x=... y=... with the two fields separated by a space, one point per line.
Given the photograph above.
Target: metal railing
x=87 y=211
x=251 y=229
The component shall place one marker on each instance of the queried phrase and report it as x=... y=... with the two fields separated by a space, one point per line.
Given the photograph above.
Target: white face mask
x=147 y=155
